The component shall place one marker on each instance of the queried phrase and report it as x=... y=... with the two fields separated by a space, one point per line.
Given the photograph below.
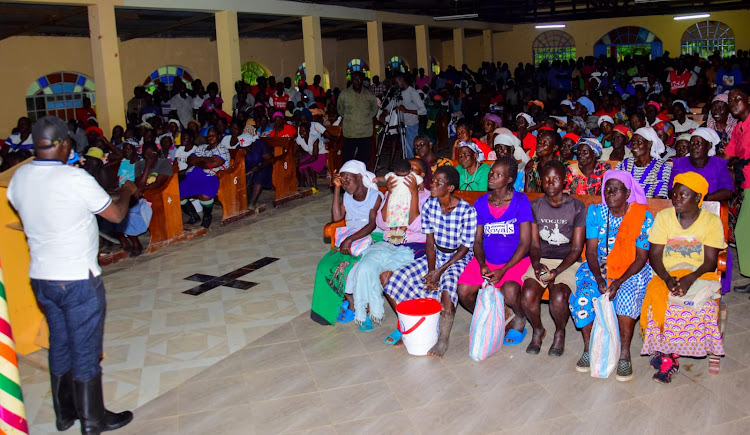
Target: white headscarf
x=604 y=118
x=657 y=146
x=508 y=139
x=710 y=136
x=528 y=118
x=357 y=167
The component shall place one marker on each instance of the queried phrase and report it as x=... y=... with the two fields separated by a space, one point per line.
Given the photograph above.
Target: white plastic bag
x=604 y=345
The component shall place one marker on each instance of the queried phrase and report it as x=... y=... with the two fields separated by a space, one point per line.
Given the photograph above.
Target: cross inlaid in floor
x=210 y=282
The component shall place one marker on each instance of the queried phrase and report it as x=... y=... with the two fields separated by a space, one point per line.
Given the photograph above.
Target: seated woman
x=665 y=131
x=547 y=149
x=524 y=122
x=465 y=134
x=423 y=150
x=200 y=179
x=566 y=146
x=506 y=144
x=606 y=125
x=450 y=225
x=365 y=282
x=281 y=128
x=721 y=121
x=492 y=125
x=621 y=136
x=361 y=202
x=557 y=238
x=473 y=174
x=672 y=328
x=586 y=177
x=181 y=153
x=703 y=160
x=312 y=138
x=236 y=137
x=682 y=147
x=646 y=166
x=501 y=245
x=616 y=263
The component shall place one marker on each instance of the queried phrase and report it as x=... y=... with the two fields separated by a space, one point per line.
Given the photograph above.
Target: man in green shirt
x=357 y=106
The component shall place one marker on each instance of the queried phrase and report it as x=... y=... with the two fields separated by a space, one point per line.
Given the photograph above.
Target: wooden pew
x=233 y=188
x=284 y=176
x=166 y=222
x=334 y=158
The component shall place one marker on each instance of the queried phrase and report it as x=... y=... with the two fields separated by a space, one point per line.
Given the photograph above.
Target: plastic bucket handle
x=410 y=330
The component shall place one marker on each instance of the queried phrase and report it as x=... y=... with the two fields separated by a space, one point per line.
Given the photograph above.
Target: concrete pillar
x=458 y=48
x=228 y=49
x=488 y=51
x=105 y=56
x=375 y=48
x=423 y=48
x=313 y=46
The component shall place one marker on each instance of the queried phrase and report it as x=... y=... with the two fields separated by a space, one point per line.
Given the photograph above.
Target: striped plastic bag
x=358 y=246
x=604 y=345
x=487 y=323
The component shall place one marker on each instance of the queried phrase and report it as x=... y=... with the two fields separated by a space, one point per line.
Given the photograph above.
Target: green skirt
x=742 y=237
x=330 y=283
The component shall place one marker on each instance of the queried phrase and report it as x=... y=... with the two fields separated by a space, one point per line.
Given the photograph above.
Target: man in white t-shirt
x=57 y=204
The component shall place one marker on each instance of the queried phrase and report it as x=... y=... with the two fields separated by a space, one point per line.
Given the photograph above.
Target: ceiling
x=541 y=11
x=61 y=20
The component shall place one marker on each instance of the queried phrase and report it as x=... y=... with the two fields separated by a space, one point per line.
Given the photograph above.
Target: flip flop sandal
x=513 y=337
x=533 y=349
x=393 y=338
x=345 y=316
x=366 y=326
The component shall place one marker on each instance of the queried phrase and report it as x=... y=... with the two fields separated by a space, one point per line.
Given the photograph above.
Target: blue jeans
x=75 y=316
x=411 y=133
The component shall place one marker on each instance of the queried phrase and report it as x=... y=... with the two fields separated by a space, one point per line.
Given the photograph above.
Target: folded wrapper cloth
x=363 y=280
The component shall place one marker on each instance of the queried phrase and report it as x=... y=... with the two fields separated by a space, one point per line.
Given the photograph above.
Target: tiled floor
x=252 y=362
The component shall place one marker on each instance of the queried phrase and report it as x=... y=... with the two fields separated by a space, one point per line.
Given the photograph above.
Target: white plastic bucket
x=419 y=322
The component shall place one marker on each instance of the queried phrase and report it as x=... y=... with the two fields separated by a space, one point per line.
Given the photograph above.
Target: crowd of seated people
x=594 y=128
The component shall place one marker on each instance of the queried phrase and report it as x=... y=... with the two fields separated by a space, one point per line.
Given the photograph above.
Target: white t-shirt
x=180 y=156
x=316 y=133
x=57 y=204
x=687 y=126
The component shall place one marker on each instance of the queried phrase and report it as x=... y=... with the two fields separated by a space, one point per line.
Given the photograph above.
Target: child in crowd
x=399 y=204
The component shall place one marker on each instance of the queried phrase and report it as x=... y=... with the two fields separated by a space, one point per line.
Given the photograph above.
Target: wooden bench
x=166 y=221
x=335 y=148
x=654 y=205
x=284 y=172
x=233 y=188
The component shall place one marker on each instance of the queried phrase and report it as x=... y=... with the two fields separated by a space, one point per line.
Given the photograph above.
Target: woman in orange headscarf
x=680 y=311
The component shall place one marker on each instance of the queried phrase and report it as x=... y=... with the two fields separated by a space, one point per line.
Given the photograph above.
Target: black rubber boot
x=63 y=402
x=207 y=218
x=95 y=419
x=193 y=216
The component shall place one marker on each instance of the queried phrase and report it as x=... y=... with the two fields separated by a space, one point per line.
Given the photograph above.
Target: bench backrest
x=284 y=172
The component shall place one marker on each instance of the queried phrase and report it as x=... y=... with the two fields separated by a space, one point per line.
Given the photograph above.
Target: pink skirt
x=472 y=274
x=317 y=165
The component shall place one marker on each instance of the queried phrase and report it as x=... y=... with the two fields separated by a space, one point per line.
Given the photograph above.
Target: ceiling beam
x=50 y=19
x=261 y=26
x=161 y=29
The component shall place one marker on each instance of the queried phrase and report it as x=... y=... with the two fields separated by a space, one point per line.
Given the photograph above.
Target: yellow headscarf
x=693 y=181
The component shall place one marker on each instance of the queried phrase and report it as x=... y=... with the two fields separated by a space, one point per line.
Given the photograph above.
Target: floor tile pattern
x=252 y=362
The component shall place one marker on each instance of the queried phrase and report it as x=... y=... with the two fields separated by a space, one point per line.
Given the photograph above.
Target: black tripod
x=391 y=100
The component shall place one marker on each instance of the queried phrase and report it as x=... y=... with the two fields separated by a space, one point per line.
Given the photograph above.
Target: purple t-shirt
x=501 y=235
x=715 y=172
